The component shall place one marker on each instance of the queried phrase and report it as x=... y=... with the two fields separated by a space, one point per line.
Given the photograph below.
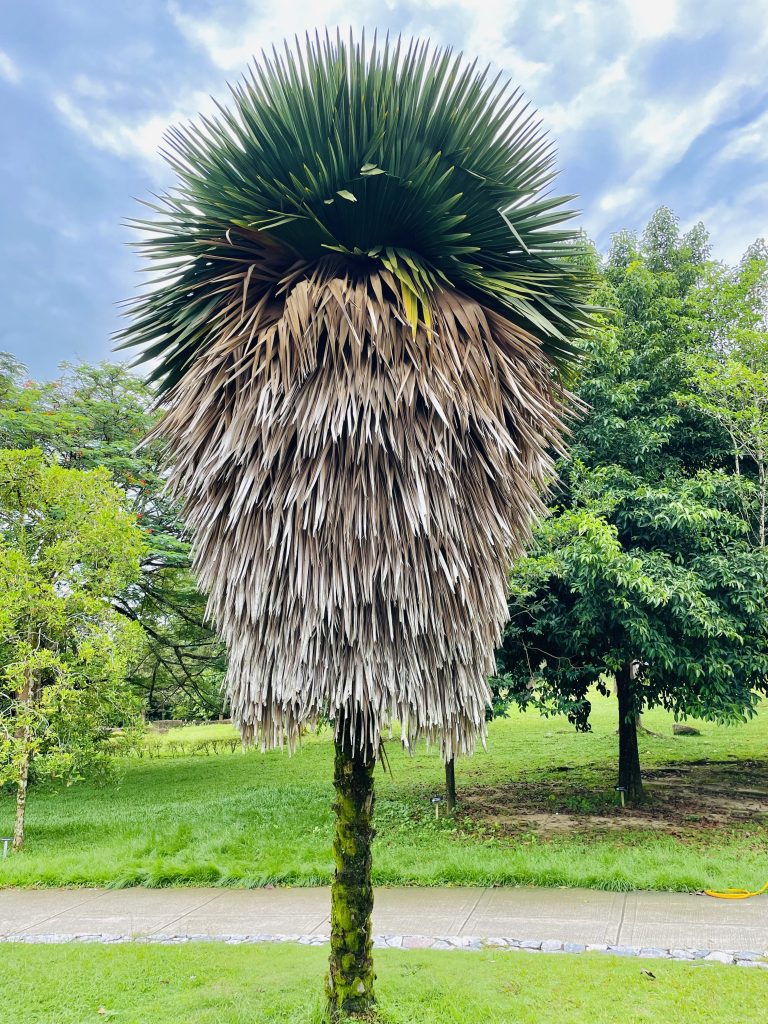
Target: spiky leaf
x=400 y=150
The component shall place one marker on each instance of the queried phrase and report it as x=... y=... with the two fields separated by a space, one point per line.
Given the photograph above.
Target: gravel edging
x=741 y=958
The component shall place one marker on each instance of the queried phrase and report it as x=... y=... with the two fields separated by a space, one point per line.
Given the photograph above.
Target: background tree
x=67 y=544
x=675 y=612
x=361 y=300
x=730 y=372
x=96 y=416
x=648 y=569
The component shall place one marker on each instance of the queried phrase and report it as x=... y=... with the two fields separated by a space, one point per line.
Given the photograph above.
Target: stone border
x=742 y=958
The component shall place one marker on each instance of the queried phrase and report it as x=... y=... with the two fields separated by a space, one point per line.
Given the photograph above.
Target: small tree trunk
x=21 y=802
x=450 y=784
x=629 y=754
x=350 y=979
x=22 y=735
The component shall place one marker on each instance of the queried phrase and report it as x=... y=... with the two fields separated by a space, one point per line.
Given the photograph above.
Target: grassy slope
x=216 y=984
x=248 y=819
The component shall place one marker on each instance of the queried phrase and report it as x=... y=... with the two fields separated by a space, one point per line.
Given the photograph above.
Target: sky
x=649 y=101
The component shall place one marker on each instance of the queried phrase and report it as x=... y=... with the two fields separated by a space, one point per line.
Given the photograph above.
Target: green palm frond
x=395 y=157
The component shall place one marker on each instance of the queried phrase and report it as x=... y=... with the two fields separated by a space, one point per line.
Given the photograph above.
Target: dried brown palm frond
x=361 y=309
x=355 y=489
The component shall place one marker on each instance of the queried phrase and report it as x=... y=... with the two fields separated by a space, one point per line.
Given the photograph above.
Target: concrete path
x=639 y=920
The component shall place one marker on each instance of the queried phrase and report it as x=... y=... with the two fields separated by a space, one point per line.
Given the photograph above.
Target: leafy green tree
x=647 y=570
x=97 y=416
x=735 y=394
x=730 y=374
x=67 y=545
x=660 y=589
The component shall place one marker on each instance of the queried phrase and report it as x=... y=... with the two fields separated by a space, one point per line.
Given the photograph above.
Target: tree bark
x=450 y=784
x=630 y=779
x=21 y=802
x=350 y=979
x=22 y=734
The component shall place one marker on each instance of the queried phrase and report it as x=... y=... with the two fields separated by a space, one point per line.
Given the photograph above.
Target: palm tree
x=361 y=309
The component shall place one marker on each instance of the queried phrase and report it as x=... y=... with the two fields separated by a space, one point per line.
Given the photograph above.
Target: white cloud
x=651 y=19
x=660 y=138
x=601 y=100
x=84 y=85
x=750 y=140
x=232 y=46
x=141 y=138
x=621 y=198
x=258 y=27
x=9 y=69
x=736 y=220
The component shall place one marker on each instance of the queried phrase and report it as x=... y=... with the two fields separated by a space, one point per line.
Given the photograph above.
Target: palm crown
x=361 y=304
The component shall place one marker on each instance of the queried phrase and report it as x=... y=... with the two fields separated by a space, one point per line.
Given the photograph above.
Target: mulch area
x=682 y=799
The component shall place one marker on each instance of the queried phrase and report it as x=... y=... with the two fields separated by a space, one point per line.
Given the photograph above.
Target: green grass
x=249 y=819
x=192 y=734
x=191 y=740
x=216 y=984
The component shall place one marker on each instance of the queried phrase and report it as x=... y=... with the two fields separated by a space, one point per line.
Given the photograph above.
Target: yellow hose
x=735 y=894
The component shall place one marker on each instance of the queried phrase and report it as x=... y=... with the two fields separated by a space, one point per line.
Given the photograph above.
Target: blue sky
x=650 y=102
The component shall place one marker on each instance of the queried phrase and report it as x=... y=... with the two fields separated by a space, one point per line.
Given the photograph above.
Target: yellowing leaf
x=410 y=305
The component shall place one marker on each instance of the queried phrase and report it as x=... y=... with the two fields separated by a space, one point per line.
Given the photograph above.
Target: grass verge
x=538 y=807
x=217 y=984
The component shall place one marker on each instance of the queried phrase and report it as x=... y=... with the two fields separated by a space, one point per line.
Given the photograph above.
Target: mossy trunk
x=450 y=784
x=630 y=779
x=350 y=978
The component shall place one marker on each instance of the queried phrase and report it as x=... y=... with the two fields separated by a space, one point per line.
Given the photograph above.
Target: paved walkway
x=462 y=916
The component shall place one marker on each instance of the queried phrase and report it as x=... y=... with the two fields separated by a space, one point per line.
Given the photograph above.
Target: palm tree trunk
x=630 y=779
x=450 y=784
x=350 y=979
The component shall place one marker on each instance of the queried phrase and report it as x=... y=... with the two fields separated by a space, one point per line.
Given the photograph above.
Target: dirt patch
x=682 y=800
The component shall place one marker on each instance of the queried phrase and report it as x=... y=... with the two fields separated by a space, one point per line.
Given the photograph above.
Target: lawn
x=537 y=808
x=217 y=984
